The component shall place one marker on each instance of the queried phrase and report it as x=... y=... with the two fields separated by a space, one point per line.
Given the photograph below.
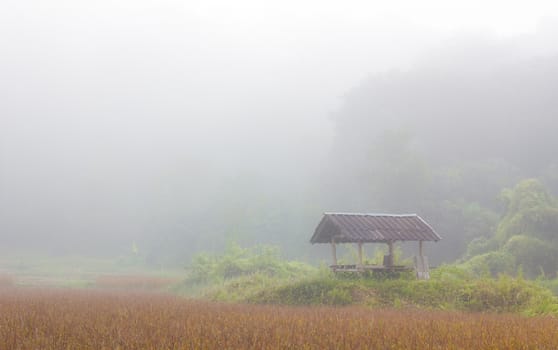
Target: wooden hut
x=357 y=228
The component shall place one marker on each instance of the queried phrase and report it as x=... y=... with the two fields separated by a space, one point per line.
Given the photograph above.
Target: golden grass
x=7 y=280
x=71 y=319
x=133 y=282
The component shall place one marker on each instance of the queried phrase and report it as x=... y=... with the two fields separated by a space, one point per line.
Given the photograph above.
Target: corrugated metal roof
x=362 y=227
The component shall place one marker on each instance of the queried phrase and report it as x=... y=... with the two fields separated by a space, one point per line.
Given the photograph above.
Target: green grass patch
x=449 y=289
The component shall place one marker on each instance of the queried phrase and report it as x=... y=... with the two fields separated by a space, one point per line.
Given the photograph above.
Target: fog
x=181 y=125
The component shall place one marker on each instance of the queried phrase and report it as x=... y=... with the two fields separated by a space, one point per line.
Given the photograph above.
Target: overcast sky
x=109 y=95
x=216 y=73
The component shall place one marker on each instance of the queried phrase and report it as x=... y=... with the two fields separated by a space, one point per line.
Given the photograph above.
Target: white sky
x=209 y=76
x=103 y=96
x=504 y=17
x=244 y=71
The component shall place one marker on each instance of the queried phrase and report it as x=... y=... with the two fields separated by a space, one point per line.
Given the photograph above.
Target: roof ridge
x=369 y=214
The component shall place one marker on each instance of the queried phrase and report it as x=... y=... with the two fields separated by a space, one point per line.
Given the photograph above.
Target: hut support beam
x=390 y=249
x=421 y=265
x=333 y=251
x=360 y=254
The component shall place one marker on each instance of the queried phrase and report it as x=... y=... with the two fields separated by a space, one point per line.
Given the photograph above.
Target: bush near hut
x=237 y=261
x=450 y=288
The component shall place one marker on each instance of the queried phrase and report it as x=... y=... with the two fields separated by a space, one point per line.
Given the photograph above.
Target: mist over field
x=178 y=127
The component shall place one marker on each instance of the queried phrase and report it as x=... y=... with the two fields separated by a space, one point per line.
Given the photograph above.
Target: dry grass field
x=133 y=282
x=87 y=319
x=6 y=280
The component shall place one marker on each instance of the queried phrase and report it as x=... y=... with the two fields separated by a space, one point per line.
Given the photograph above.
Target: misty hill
x=442 y=139
x=459 y=113
x=445 y=138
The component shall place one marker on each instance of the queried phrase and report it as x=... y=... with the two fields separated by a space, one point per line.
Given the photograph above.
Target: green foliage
x=492 y=264
x=526 y=237
x=531 y=210
x=237 y=261
x=238 y=288
x=460 y=222
x=480 y=245
x=261 y=277
x=481 y=221
x=451 y=273
x=258 y=275
x=550 y=284
x=506 y=294
x=452 y=288
x=313 y=291
x=533 y=254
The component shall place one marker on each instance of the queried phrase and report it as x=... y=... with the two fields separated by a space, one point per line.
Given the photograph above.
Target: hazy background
x=181 y=125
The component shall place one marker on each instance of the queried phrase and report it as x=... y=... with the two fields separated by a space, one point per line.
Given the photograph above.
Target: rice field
x=93 y=319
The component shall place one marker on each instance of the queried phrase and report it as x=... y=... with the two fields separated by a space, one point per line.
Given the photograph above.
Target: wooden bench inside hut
x=359 y=229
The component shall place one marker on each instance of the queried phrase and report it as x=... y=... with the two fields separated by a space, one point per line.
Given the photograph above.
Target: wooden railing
x=362 y=268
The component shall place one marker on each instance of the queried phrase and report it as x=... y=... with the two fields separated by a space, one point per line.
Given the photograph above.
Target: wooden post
x=390 y=247
x=360 y=254
x=421 y=265
x=333 y=251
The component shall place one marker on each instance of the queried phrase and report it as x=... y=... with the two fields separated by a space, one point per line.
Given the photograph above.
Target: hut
x=361 y=228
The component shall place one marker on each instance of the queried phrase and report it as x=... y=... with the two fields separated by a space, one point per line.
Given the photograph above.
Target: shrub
x=492 y=264
x=312 y=291
x=237 y=261
x=533 y=254
x=480 y=245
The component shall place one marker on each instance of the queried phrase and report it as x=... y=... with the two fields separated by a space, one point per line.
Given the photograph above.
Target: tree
x=527 y=236
x=531 y=211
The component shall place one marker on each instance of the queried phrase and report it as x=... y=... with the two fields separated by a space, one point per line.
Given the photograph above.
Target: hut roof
x=369 y=228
